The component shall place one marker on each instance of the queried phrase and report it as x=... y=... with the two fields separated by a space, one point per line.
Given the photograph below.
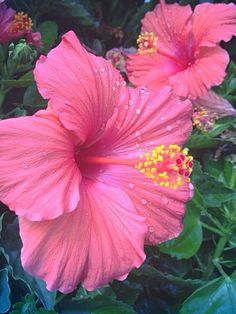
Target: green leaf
x=221 y=125
x=201 y=141
x=5 y=291
x=213 y=192
x=216 y=297
x=154 y=306
x=75 y=11
x=24 y=81
x=10 y=245
x=189 y=241
x=49 y=33
x=99 y=305
x=149 y=274
x=32 y=98
x=83 y=294
x=223 y=171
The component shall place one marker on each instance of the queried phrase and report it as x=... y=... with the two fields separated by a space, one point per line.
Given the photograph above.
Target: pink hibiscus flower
x=180 y=48
x=14 y=25
x=87 y=201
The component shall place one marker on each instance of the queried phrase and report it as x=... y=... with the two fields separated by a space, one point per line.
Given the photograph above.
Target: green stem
x=218 y=251
x=220 y=269
x=212 y=229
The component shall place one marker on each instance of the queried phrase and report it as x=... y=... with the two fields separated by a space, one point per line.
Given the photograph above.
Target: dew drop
x=143 y=201
x=131 y=186
x=131 y=103
x=16 y=141
x=151 y=229
x=102 y=70
x=161 y=118
x=169 y=127
x=138 y=111
x=126 y=107
x=191 y=187
x=151 y=238
x=164 y=200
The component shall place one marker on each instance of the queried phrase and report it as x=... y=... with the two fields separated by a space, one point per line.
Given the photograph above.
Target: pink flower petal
x=213 y=23
x=207 y=71
x=171 y=25
x=6 y=18
x=145 y=120
x=39 y=178
x=100 y=241
x=163 y=208
x=151 y=70
x=214 y=104
x=83 y=88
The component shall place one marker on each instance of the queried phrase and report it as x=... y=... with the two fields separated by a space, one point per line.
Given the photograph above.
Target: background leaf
x=217 y=297
x=5 y=291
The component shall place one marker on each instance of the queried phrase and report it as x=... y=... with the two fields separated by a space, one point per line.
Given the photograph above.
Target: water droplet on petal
x=164 y=200
x=131 y=103
x=16 y=141
x=151 y=229
x=143 y=201
x=169 y=127
x=131 y=186
x=161 y=118
x=138 y=111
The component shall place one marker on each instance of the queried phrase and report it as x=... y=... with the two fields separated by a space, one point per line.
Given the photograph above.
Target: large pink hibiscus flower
x=87 y=201
x=180 y=48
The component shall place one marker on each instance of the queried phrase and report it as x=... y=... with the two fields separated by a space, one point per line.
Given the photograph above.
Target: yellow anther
x=147 y=43
x=21 y=23
x=167 y=166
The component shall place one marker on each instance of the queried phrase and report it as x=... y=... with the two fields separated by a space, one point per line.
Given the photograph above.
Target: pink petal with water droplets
x=100 y=241
x=171 y=24
x=145 y=120
x=207 y=70
x=213 y=23
x=214 y=104
x=83 y=89
x=152 y=71
x=163 y=208
x=39 y=177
